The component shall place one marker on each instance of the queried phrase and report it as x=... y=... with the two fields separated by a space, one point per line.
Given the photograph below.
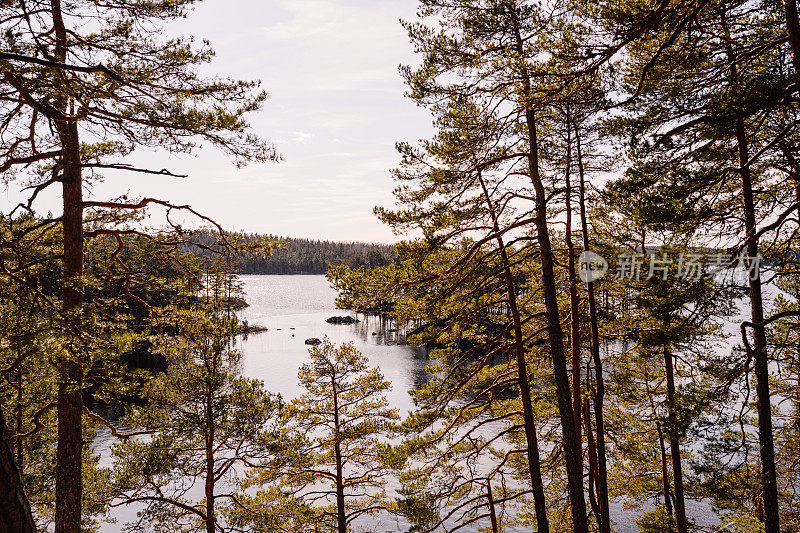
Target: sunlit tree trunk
x=532 y=441
x=572 y=455
x=69 y=465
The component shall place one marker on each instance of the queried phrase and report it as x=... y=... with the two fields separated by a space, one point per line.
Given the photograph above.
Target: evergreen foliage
x=299 y=256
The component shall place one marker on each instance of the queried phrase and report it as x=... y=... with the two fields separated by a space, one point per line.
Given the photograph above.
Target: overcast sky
x=335 y=112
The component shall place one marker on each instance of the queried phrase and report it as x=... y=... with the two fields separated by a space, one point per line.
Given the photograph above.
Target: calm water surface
x=294 y=308
x=304 y=302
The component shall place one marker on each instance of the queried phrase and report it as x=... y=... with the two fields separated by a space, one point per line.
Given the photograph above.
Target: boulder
x=342 y=320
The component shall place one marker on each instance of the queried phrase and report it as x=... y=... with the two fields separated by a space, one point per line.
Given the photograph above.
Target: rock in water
x=341 y=320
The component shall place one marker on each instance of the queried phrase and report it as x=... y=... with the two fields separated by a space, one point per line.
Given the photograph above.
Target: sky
x=335 y=112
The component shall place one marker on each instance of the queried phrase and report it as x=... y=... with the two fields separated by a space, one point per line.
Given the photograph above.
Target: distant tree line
x=298 y=256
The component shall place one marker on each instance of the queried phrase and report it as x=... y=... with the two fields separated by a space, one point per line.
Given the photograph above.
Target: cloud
x=340 y=44
x=301 y=137
x=335 y=112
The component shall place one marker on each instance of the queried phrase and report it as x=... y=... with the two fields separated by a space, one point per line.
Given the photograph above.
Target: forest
x=294 y=256
x=599 y=244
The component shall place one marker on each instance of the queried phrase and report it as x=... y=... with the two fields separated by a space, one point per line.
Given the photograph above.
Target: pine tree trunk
x=600 y=390
x=531 y=439
x=665 y=474
x=592 y=452
x=19 y=443
x=492 y=512
x=574 y=310
x=211 y=516
x=760 y=355
x=69 y=466
x=675 y=445
x=69 y=463
x=572 y=449
x=15 y=510
x=341 y=517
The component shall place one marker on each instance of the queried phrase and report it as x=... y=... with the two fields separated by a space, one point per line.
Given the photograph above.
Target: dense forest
x=295 y=256
x=600 y=247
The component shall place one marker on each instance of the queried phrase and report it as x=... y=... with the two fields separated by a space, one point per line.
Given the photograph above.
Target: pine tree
x=103 y=72
x=205 y=424
x=336 y=468
x=689 y=86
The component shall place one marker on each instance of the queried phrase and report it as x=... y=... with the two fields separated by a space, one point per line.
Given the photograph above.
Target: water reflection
x=295 y=308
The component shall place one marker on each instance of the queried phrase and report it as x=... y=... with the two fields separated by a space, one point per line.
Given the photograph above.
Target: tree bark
x=341 y=517
x=69 y=463
x=760 y=355
x=19 y=442
x=572 y=451
x=665 y=474
x=574 y=310
x=592 y=452
x=15 y=510
x=675 y=445
x=600 y=390
x=492 y=512
x=532 y=441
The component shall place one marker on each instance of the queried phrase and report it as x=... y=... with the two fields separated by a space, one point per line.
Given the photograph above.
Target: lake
x=294 y=308
x=304 y=303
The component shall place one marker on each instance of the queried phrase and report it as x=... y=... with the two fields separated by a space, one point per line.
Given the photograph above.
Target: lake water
x=280 y=303
x=294 y=308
